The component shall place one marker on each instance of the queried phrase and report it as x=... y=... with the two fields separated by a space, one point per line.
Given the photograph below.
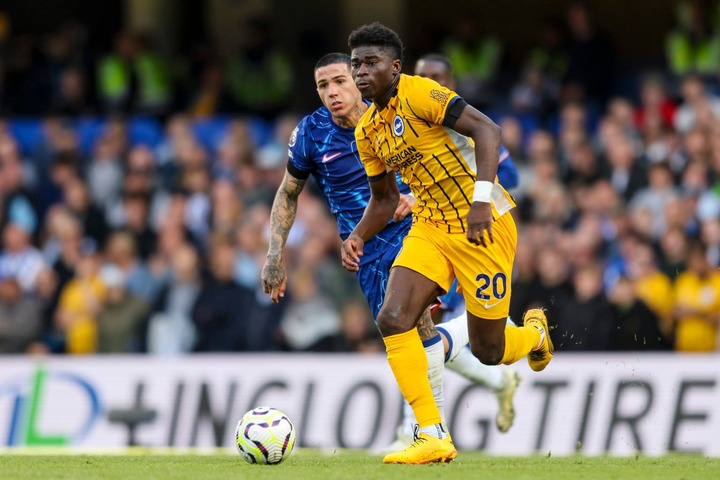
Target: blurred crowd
x=115 y=240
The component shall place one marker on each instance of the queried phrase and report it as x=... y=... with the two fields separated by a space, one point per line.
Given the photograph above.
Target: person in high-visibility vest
x=694 y=45
x=133 y=78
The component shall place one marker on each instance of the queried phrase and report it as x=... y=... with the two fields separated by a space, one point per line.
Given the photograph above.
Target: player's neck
x=352 y=118
x=383 y=101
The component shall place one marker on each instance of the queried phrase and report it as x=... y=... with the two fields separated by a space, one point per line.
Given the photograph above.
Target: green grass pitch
x=311 y=464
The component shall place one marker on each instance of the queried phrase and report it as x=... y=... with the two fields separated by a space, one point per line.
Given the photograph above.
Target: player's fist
x=352 y=250
x=479 y=221
x=274 y=278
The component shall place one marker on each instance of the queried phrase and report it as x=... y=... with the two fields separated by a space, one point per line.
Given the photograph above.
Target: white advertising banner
x=593 y=404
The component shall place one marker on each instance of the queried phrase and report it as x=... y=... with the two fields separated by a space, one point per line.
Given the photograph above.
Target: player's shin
x=436 y=364
x=519 y=341
x=409 y=364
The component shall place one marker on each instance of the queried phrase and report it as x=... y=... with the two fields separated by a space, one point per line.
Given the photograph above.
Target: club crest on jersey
x=293 y=138
x=398 y=126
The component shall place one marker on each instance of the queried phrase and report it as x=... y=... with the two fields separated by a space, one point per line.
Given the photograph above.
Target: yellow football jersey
x=437 y=163
x=695 y=333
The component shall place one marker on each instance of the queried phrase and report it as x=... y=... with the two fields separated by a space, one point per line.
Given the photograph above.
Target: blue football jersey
x=320 y=147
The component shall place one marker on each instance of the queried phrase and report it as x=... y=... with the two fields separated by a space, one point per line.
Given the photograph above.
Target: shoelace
x=417 y=439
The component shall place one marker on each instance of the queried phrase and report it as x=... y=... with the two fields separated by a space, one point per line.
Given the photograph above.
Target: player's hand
x=274 y=278
x=404 y=207
x=479 y=222
x=352 y=250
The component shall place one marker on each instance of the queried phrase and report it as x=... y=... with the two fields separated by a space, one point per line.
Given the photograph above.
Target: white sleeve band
x=483 y=191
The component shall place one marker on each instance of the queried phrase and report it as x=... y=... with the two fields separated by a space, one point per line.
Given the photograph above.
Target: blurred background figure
x=223 y=311
x=697 y=303
x=20 y=318
x=476 y=60
x=311 y=322
x=261 y=72
x=120 y=319
x=170 y=330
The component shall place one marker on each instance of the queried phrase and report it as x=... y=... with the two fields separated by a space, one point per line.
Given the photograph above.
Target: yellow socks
x=519 y=341
x=409 y=364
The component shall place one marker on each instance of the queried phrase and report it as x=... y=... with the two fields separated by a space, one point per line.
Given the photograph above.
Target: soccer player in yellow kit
x=447 y=152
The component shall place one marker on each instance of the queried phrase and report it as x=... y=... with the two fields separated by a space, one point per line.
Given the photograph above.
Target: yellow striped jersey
x=436 y=162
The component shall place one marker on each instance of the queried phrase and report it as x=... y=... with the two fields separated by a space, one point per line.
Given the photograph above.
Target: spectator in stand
x=583 y=166
x=655 y=103
x=624 y=171
x=541 y=150
x=251 y=248
x=196 y=182
x=585 y=320
x=696 y=307
x=16 y=200
x=573 y=131
x=19 y=259
x=636 y=326
x=359 y=334
x=121 y=250
x=550 y=54
x=311 y=321
x=226 y=210
x=699 y=108
x=78 y=202
x=105 y=173
x=134 y=78
x=476 y=61
x=652 y=199
x=591 y=58
x=651 y=285
x=673 y=248
x=136 y=210
x=64 y=168
x=224 y=311
x=20 y=318
x=121 y=316
x=533 y=95
x=552 y=287
x=79 y=304
x=261 y=74
x=710 y=235
x=170 y=330
x=693 y=45
x=210 y=96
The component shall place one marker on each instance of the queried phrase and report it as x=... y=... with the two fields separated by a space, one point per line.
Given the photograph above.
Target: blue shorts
x=373 y=277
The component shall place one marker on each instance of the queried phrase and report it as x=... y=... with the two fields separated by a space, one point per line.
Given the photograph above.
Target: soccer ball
x=265 y=435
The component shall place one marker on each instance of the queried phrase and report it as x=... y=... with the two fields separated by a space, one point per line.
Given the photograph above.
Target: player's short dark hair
x=377 y=35
x=437 y=57
x=332 y=59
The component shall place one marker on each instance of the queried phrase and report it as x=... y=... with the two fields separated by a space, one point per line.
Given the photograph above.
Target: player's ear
x=396 y=67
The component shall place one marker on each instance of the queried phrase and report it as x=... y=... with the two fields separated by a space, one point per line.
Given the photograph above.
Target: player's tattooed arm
x=426 y=327
x=282 y=217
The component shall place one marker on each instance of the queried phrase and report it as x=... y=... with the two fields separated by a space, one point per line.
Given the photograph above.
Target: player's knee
x=392 y=322
x=487 y=353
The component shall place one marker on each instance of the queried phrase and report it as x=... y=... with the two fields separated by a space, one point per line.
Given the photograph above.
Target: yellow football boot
x=541 y=356
x=425 y=449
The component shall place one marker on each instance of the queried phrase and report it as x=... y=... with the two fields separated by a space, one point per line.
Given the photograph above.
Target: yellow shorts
x=484 y=273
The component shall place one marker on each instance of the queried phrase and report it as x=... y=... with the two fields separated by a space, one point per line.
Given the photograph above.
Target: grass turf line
x=352 y=465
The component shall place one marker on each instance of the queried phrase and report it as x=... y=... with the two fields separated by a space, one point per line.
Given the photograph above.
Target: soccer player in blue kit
x=323 y=144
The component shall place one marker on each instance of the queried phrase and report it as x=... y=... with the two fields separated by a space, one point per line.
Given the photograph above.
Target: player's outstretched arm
x=380 y=210
x=282 y=217
x=486 y=135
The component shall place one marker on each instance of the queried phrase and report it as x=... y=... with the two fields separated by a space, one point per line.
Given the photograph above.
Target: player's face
x=374 y=71
x=337 y=89
x=435 y=70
